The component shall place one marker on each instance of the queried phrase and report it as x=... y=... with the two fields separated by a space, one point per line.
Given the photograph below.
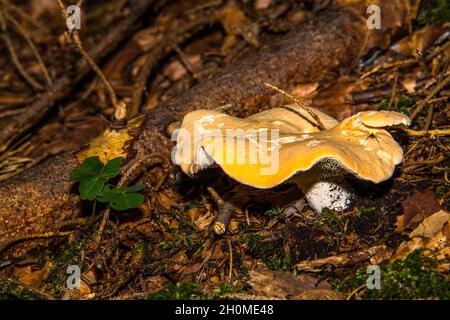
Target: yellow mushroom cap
x=293 y=118
x=380 y=119
x=270 y=147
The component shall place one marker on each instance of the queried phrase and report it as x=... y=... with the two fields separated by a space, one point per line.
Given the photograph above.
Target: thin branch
x=161 y=49
x=23 y=14
x=432 y=133
x=51 y=234
x=96 y=69
x=316 y=118
x=429 y=118
x=394 y=89
x=73 y=37
x=441 y=85
x=395 y=64
x=14 y=57
x=185 y=62
x=30 y=42
x=230 y=269
x=102 y=226
x=226 y=211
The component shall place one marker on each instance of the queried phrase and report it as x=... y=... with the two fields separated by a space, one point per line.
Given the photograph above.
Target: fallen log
x=328 y=45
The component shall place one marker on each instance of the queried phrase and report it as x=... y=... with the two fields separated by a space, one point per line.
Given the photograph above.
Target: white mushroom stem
x=332 y=193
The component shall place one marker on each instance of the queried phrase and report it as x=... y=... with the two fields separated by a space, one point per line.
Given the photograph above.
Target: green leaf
x=122 y=198
x=91 y=183
x=109 y=193
x=90 y=167
x=112 y=168
x=93 y=175
x=127 y=201
x=91 y=188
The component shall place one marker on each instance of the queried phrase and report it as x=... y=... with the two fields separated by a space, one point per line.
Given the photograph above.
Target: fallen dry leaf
x=34 y=279
x=433 y=233
x=416 y=208
x=284 y=285
x=305 y=89
x=200 y=217
x=279 y=285
x=344 y=260
x=262 y=4
x=320 y=294
x=407 y=247
x=333 y=100
x=111 y=143
x=420 y=40
x=176 y=70
x=431 y=225
x=235 y=23
x=276 y=284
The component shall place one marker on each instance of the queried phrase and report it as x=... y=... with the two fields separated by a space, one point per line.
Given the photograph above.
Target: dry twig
x=31 y=44
x=441 y=85
x=73 y=37
x=51 y=234
x=226 y=210
x=161 y=49
x=14 y=57
x=318 y=123
x=420 y=133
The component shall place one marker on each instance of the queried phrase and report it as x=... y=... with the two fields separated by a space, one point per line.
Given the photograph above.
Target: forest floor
x=275 y=246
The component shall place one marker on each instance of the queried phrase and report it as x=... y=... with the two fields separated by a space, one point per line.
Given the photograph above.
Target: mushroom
x=284 y=145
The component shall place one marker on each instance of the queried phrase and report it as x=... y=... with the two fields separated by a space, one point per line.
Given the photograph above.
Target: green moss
x=243 y=228
x=363 y=211
x=258 y=247
x=384 y=105
x=223 y=289
x=191 y=291
x=271 y=252
x=10 y=291
x=331 y=220
x=279 y=264
x=437 y=10
x=275 y=213
x=160 y=221
x=57 y=277
x=403 y=105
x=194 y=204
x=178 y=291
x=141 y=247
x=182 y=240
x=414 y=277
x=439 y=191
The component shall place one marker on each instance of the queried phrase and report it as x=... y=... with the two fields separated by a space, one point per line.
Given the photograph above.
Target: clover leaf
x=122 y=198
x=112 y=168
x=93 y=174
